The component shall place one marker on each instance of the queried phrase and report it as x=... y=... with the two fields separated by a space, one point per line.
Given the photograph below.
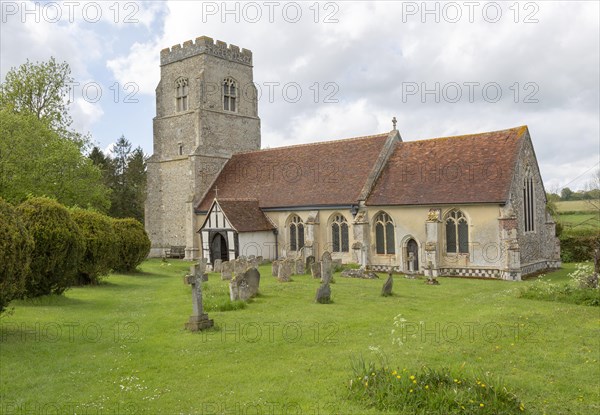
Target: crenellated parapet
x=206 y=45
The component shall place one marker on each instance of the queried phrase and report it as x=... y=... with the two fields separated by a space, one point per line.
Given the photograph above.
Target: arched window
x=182 y=94
x=528 y=203
x=384 y=234
x=229 y=95
x=339 y=234
x=457 y=233
x=296 y=228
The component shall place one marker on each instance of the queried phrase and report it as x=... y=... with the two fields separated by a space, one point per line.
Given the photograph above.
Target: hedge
x=100 y=245
x=59 y=246
x=16 y=246
x=133 y=244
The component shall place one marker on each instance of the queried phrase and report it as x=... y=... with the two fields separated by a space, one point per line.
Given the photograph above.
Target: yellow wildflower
x=481 y=405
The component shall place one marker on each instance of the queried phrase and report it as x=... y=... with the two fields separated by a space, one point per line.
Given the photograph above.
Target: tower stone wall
x=192 y=142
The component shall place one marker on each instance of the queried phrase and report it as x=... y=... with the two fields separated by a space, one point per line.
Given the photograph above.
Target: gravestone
x=323 y=295
x=315 y=269
x=227 y=270
x=337 y=264
x=309 y=261
x=244 y=286
x=261 y=260
x=198 y=320
x=240 y=265
x=195 y=269
x=275 y=267
x=217 y=265
x=326 y=268
x=386 y=290
x=299 y=264
x=285 y=271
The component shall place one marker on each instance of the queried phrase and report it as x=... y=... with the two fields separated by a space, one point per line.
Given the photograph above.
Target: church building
x=470 y=205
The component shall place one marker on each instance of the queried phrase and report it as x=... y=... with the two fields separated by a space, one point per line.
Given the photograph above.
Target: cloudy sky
x=333 y=70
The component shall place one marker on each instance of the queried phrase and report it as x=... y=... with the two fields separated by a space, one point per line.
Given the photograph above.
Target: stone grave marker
x=315 y=269
x=285 y=271
x=326 y=268
x=244 y=286
x=227 y=270
x=275 y=267
x=323 y=295
x=217 y=265
x=309 y=261
x=198 y=320
x=299 y=264
x=386 y=290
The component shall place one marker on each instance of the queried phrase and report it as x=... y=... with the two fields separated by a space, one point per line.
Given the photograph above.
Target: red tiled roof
x=245 y=215
x=324 y=173
x=473 y=168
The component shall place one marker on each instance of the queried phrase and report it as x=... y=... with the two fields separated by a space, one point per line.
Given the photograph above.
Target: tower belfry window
x=182 y=94
x=229 y=95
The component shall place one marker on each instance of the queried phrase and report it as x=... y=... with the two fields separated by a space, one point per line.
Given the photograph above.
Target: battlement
x=206 y=45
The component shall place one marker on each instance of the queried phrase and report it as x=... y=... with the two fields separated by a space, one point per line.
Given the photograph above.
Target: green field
x=577 y=206
x=120 y=347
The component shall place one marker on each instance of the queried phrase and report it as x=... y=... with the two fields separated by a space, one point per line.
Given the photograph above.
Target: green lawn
x=580 y=220
x=120 y=347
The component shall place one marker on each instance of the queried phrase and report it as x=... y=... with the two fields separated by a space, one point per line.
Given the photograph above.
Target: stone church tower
x=206 y=111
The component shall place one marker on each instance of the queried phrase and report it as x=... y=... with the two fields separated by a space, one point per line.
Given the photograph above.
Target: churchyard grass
x=120 y=347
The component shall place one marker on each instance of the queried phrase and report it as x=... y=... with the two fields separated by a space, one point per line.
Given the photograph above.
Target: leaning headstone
x=315 y=269
x=386 y=290
x=275 y=268
x=217 y=265
x=253 y=277
x=323 y=295
x=299 y=264
x=244 y=286
x=227 y=270
x=285 y=271
x=198 y=320
x=326 y=268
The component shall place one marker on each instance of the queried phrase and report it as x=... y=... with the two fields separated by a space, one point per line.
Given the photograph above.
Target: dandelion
x=398 y=376
x=414 y=381
x=394 y=372
x=481 y=405
x=483 y=385
x=426 y=386
x=410 y=391
x=412 y=377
